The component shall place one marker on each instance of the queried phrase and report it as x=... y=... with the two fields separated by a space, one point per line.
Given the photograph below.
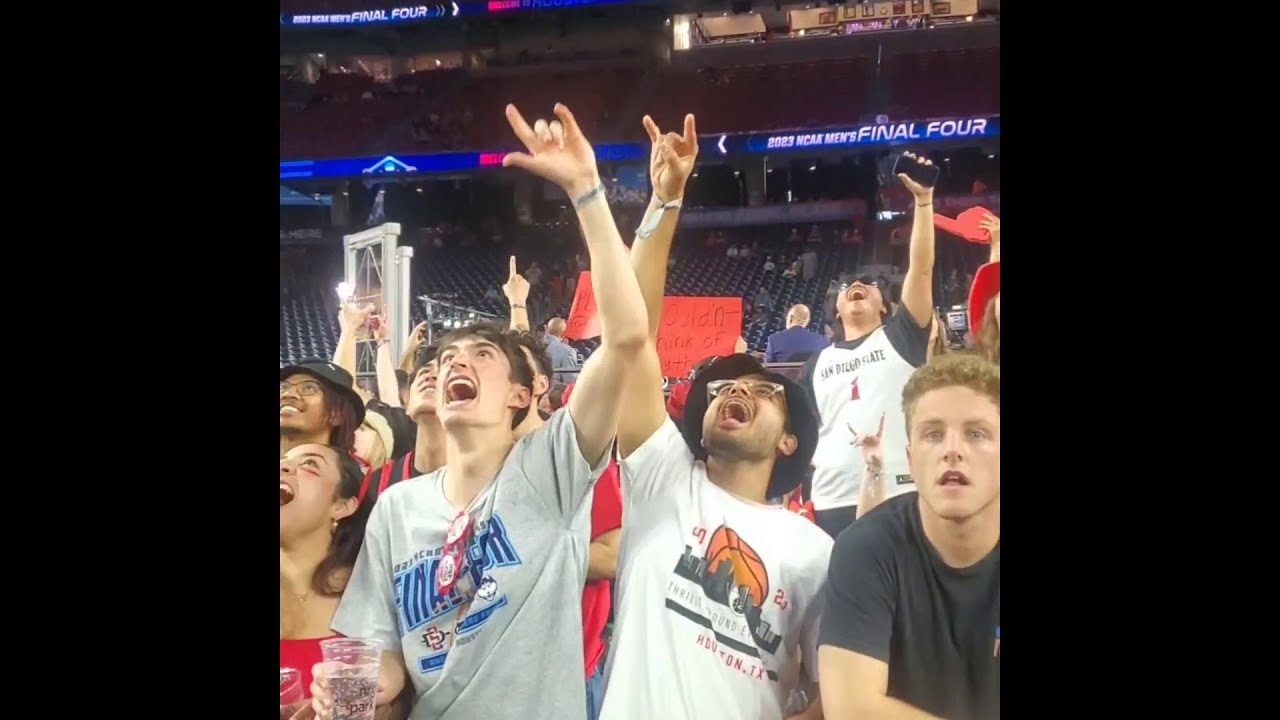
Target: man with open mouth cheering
x=857 y=381
x=718 y=588
x=471 y=576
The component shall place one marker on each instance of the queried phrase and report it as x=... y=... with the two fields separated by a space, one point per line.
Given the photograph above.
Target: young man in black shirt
x=911 y=628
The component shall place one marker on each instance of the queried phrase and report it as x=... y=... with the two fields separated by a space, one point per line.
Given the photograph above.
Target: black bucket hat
x=332 y=377
x=788 y=471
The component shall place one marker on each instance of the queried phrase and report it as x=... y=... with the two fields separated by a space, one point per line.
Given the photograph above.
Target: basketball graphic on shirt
x=730 y=574
x=750 y=580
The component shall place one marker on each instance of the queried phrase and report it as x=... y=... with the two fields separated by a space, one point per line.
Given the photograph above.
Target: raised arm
x=991 y=224
x=388 y=388
x=671 y=160
x=351 y=318
x=559 y=152
x=516 y=288
x=409 y=357
x=917 y=286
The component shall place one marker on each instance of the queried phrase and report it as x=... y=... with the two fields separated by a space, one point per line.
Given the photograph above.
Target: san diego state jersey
x=853 y=384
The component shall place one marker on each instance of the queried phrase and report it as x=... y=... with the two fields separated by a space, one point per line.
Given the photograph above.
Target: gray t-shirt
x=517 y=652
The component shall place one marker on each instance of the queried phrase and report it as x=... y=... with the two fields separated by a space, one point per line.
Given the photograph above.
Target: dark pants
x=835 y=519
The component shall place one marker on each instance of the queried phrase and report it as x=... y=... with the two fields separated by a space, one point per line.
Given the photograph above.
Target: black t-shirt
x=890 y=596
x=403 y=430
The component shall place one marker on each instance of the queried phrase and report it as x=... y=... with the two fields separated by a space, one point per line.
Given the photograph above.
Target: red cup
x=291 y=690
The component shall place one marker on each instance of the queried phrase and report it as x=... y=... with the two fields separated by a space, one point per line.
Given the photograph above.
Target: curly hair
x=952 y=370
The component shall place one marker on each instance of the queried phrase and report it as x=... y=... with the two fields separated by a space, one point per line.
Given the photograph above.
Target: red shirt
x=606 y=515
x=302 y=655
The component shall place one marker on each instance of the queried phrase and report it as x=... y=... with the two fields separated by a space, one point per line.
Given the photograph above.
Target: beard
x=736 y=447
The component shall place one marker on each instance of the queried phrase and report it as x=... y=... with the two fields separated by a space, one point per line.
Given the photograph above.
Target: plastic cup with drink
x=351 y=673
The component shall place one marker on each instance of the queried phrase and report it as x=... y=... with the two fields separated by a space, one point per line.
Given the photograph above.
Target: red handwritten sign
x=583 y=322
x=692 y=328
x=695 y=328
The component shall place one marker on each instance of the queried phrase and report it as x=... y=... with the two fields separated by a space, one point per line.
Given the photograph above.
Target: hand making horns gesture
x=672 y=159
x=558 y=151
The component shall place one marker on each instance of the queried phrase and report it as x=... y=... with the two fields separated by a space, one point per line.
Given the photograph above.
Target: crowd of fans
x=768 y=544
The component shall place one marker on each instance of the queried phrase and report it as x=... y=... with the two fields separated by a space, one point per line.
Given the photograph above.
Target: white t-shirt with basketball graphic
x=718 y=597
x=853 y=384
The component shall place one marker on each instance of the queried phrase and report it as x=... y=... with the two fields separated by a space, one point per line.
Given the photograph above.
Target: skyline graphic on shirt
x=731 y=574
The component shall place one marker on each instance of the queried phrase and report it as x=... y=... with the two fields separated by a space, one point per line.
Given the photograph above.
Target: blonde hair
x=952 y=370
x=987 y=341
x=378 y=452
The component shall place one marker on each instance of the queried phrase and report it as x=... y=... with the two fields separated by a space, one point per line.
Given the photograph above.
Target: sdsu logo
x=854 y=394
x=435 y=638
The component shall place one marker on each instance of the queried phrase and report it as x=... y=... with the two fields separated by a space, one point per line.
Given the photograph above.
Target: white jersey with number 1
x=853 y=384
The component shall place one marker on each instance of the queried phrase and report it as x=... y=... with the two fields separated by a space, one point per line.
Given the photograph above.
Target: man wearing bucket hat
x=716 y=585
x=318 y=405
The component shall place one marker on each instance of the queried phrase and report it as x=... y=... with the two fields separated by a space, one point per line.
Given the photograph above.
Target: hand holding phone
x=920 y=170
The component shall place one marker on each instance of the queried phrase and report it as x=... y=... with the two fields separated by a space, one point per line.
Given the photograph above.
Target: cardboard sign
x=695 y=328
x=583 y=322
x=692 y=328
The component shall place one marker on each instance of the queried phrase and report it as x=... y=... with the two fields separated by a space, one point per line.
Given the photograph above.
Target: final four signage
x=718 y=146
x=878 y=134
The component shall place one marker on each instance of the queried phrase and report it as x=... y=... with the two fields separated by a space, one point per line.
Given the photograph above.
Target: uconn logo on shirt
x=415 y=582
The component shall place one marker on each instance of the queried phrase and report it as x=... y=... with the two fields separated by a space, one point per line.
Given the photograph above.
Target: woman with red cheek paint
x=323 y=513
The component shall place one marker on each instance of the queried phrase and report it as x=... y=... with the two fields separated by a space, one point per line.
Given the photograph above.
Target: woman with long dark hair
x=324 y=507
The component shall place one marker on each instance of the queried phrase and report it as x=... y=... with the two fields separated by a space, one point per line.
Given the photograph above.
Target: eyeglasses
x=762 y=389
x=306 y=388
x=866 y=280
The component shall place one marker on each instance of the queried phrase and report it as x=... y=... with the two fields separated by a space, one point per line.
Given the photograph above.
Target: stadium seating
x=463 y=275
x=351 y=115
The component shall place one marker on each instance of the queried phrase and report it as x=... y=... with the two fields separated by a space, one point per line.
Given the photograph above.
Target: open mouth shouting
x=289 y=408
x=459 y=391
x=287 y=493
x=856 y=292
x=735 y=412
x=953 y=480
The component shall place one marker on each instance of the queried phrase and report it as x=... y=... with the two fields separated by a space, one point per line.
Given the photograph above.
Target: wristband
x=586 y=198
x=648 y=227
